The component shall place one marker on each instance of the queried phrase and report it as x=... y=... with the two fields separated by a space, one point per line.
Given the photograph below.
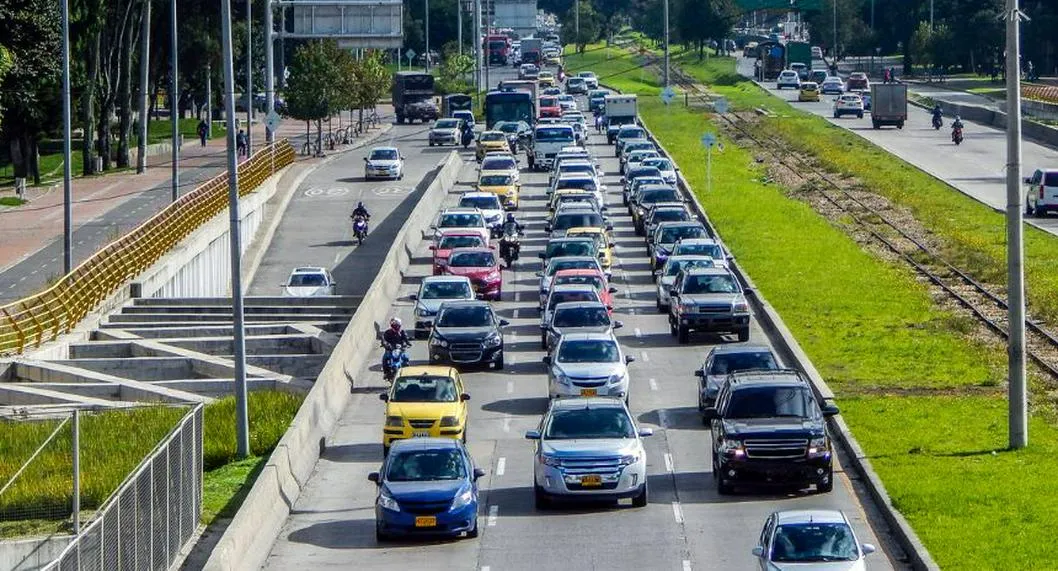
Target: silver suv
x=1041 y=195
x=588 y=365
x=589 y=448
x=708 y=300
x=576 y=317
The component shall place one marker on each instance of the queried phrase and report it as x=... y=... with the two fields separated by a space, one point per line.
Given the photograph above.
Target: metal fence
x=152 y=515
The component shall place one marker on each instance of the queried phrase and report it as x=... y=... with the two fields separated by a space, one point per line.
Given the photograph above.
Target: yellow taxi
x=503 y=185
x=809 y=91
x=563 y=194
x=553 y=59
x=545 y=79
x=425 y=401
x=491 y=141
x=602 y=242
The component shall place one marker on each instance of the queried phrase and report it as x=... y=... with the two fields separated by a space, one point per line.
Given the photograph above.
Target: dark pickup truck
x=413 y=94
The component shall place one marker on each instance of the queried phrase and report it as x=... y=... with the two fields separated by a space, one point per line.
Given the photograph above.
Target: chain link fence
x=144 y=524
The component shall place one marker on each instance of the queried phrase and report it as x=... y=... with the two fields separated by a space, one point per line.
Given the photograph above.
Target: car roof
x=309 y=270
x=465 y=303
x=568 y=239
x=478 y=194
x=573 y=258
x=589 y=336
x=788 y=517
x=437 y=370
x=579 y=305
x=699 y=241
x=385 y=149
x=681 y=224
x=714 y=271
x=460 y=210
x=776 y=377
x=578 y=403
x=444 y=278
x=425 y=444
x=689 y=257
x=580 y=272
x=738 y=349
x=572 y=287
x=458 y=232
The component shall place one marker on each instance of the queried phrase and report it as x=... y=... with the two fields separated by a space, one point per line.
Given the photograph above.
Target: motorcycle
x=360 y=228
x=468 y=137
x=510 y=247
x=956 y=135
x=392 y=360
x=937 y=122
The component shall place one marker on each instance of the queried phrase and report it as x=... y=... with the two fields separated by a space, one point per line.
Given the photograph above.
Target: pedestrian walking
x=240 y=143
x=203 y=131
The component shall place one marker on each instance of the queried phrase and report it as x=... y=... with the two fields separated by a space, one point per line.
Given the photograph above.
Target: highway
x=685 y=526
x=976 y=168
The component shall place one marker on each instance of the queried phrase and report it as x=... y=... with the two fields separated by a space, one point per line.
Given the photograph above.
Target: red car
x=593 y=277
x=450 y=240
x=549 y=107
x=482 y=266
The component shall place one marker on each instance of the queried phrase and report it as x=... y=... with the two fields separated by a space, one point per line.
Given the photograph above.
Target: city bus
x=509 y=106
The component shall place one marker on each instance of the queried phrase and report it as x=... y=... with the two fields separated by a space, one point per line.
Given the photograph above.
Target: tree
x=6 y=62
x=454 y=70
x=367 y=81
x=590 y=26
x=698 y=21
x=921 y=47
x=317 y=86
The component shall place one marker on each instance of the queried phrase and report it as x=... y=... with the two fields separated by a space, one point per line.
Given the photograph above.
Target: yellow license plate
x=421 y=433
x=591 y=480
x=426 y=521
x=588 y=392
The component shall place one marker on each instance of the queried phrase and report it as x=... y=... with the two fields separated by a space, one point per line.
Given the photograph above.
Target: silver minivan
x=1041 y=196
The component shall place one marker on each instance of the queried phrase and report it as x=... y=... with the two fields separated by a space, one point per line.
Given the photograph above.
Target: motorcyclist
x=395 y=336
x=937 y=114
x=511 y=226
x=509 y=247
x=361 y=210
x=467 y=135
x=957 y=124
x=956 y=130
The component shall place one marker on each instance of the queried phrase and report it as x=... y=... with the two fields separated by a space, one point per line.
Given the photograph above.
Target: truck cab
x=413 y=94
x=548 y=140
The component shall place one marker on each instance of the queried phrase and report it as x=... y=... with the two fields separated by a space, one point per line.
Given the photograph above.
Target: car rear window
x=1050 y=179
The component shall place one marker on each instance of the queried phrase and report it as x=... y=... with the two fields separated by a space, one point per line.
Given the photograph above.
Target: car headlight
x=550 y=461
x=421 y=311
x=561 y=378
x=493 y=340
x=818 y=446
x=385 y=501
x=397 y=421
x=463 y=499
x=740 y=305
x=728 y=446
x=449 y=421
x=615 y=379
x=687 y=307
x=438 y=342
x=493 y=275
x=629 y=459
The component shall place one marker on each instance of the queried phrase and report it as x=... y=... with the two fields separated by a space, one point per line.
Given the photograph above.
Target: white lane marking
x=668 y=462
x=501 y=466
x=486 y=568
x=517 y=296
x=513 y=359
x=516 y=312
x=494 y=513
x=663 y=418
x=638 y=332
x=677 y=512
x=510 y=387
x=686 y=565
x=507 y=424
x=337 y=256
x=514 y=336
x=653 y=384
x=646 y=357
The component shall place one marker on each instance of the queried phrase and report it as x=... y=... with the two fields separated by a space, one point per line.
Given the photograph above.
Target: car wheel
x=540 y=499
x=380 y=536
x=859 y=115
x=474 y=530
x=672 y=326
x=684 y=335
x=826 y=484
x=743 y=334
x=1028 y=209
x=431 y=143
x=499 y=362
x=543 y=342
x=640 y=500
x=661 y=308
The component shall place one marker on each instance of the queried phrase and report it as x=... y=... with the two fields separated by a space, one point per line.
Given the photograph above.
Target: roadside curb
x=792 y=353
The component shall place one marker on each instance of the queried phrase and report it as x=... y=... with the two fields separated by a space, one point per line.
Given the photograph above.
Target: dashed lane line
x=677 y=512
x=501 y=466
x=494 y=514
x=653 y=384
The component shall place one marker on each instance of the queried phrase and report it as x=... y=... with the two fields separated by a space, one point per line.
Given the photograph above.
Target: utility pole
x=145 y=58
x=242 y=427
x=1018 y=394
x=67 y=175
x=459 y=26
x=174 y=102
x=576 y=23
x=477 y=45
x=666 y=43
x=249 y=78
x=931 y=16
x=834 y=5
x=427 y=54
x=209 y=101
x=270 y=72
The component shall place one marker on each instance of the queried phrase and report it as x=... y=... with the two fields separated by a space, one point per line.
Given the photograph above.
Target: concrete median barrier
x=246 y=542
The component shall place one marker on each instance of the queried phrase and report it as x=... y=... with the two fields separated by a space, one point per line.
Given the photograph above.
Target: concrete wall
x=30 y=554
x=247 y=541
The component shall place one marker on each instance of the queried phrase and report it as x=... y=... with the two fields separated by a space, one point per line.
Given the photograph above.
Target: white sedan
x=309 y=282
x=384 y=162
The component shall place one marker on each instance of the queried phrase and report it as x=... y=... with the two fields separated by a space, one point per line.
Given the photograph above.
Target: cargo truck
x=413 y=93
x=888 y=104
x=620 y=110
x=532 y=50
x=499 y=48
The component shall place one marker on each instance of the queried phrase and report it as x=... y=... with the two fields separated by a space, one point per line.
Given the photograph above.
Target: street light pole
x=209 y=101
x=576 y=23
x=459 y=26
x=931 y=16
x=1018 y=394
x=174 y=102
x=67 y=155
x=145 y=58
x=249 y=78
x=270 y=72
x=834 y=5
x=666 y=16
x=242 y=427
x=427 y=55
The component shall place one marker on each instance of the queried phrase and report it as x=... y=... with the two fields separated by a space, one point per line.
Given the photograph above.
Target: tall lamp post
x=270 y=72
x=427 y=54
x=67 y=174
x=174 y=101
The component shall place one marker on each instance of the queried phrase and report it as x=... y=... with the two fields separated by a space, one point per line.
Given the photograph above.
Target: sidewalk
x=104 y=207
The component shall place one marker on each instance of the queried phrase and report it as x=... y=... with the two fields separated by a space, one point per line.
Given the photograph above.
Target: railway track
x=987 y=306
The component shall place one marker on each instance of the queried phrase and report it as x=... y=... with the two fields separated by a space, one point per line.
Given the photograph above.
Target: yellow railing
x=42 y=317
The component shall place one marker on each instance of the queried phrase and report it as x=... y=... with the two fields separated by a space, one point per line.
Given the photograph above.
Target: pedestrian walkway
x=104 y=207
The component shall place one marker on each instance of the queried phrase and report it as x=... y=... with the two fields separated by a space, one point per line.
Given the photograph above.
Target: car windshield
x=661 y=164
x=426 y=465
x=636 y=133
x=575 y=168
x=507 y=127
x=676 y=266
x=670 y=215
x=670 y=235
x=648 y=178
x=491 y=202
x=572 y=248
x=305 y=280
x=768 y=402
x=472 y=260
x=659 y=195
x=447 y=124
x=493 y=136
x=709 y=283
x=734 y=362
x=568 y=220
x=424 y=389
x=446 y=290
x=499 y=164
x=554 y=134
x=581 y=317
x=588 y=351
x=496 y=180
x=600 y=422
x=449 y=242
x=574 y=81
x=473 y=316
x=814 y=542
x=560 y=264
x=567 y=296
x=460 y=220
x=548 y=102
x=383 y=155
x=581 y=183
x=711 y=250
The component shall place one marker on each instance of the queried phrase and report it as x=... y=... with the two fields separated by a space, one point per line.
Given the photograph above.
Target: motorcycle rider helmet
x=510 y=217
x=395 y=324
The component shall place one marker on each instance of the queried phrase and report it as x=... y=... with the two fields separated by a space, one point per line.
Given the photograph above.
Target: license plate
x=591 y=480
x=421 y=433
x=588 y=392
x=425 y=521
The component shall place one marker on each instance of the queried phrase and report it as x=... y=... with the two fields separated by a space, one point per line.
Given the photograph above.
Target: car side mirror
x=464 y=397
x=542 y=256
x=478 y=473
x=658 y=272
x=504 y=323
x=532 y=435
x=539 y=274
x=384 y=397
x=413 y=297
x=546 y=359
x=618 y=324
x=645 y=432
x=373 y=476
x=365 y=159
x=868 y=548
x=612 y=290
x=699 y=373
x=629 y=359
x=758 y=551
x=710 y=414
x=830 y=410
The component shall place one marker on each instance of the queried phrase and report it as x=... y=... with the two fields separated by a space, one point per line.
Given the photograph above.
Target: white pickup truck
x=548 y=140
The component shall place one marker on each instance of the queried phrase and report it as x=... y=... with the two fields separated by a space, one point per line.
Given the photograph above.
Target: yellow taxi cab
x=425 y=401
x=561 y=194
x=545 y=79
x=603 y=242
x=553 y=59
x=503 y=185
x=809 y=91
x=491 y=141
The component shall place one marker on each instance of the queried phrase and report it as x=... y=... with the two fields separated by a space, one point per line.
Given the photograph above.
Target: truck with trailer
x=888 y=104
x=620 y=110
x=517 y=15
x=413 y=93
x=771 y=60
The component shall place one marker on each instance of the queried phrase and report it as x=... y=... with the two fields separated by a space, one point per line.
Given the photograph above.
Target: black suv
x=467 y=332
x=767 y=428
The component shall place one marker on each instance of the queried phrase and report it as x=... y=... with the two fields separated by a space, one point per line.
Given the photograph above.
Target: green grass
x=11 y=201
x=113 y=443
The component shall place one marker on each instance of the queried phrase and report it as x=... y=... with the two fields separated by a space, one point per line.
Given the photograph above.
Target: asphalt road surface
x=977 y=167
x=685 y=526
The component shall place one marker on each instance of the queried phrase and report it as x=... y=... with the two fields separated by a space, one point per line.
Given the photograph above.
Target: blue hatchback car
x=427 y=486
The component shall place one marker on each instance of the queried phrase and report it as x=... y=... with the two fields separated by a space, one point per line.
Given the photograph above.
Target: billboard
x=376 y=24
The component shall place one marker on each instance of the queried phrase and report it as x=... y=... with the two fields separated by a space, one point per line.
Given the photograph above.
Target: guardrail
x=42 y=317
